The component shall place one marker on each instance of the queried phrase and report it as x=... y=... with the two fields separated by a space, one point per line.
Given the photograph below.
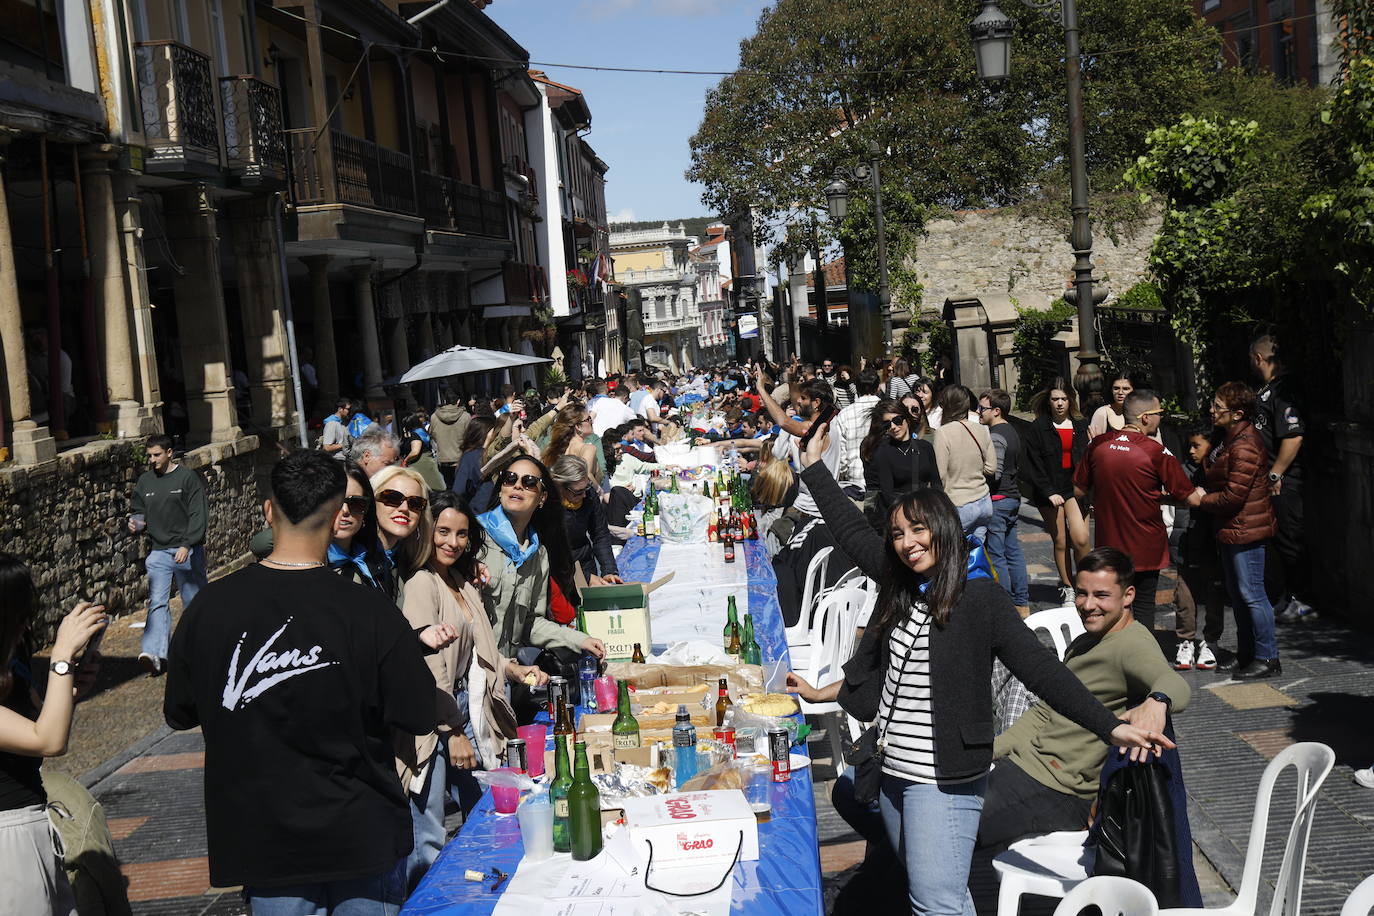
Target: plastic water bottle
x=587 y=679
x=684 y=747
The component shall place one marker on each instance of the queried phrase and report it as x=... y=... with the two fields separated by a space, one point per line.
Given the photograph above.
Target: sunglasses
x=528 y=481
x=576 y=491
x=897 y=421
x=356 y=505
x=392 y=499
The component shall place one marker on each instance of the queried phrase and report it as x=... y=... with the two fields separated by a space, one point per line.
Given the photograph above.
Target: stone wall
x=68 y=519
x=973 y=252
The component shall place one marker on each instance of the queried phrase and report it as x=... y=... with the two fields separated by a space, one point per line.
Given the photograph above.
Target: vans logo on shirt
x=271 y=667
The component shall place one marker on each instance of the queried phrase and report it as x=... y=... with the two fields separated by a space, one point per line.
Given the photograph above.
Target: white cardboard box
x=693 y=829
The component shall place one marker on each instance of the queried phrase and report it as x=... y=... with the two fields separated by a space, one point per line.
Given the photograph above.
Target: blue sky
x=641 y=122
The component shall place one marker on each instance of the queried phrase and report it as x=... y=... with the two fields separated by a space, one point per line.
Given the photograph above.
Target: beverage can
x=779 y=752
x=517 y=756
x=726 y=735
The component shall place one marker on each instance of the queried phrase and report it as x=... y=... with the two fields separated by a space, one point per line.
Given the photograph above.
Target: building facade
x=658 y=264
x=1292 y=39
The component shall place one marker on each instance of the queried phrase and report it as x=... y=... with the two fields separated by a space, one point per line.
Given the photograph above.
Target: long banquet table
x=787 y=876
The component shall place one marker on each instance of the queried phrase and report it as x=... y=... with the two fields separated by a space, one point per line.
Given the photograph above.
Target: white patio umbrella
x=460 y=360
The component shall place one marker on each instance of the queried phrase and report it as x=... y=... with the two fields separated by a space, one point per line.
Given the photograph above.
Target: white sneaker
x=1205 y=660
x=1183 y=661
x=1365 y=777
x=1066 y=594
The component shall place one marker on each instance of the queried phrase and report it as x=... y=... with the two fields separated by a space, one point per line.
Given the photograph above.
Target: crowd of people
x=418 y=581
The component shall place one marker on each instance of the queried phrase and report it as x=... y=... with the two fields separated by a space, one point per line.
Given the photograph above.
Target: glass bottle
x=584 y=809
x=563 y=731
x=558 y=795
x=730 y=636
x=723 y=700
x=650 y=520
x=750 y=653
x=638 y=656
x=673 y=485
x=625 y=728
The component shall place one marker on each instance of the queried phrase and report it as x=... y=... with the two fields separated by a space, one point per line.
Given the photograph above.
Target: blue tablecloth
x=785 y=879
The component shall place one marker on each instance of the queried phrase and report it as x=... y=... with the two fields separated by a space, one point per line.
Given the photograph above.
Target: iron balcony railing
x=365 y=173
x=253 y=140
x=447 y=203
x=177 y=95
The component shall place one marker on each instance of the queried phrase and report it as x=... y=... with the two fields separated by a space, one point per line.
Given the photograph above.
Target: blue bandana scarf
x=499 y=529
x=357 y=556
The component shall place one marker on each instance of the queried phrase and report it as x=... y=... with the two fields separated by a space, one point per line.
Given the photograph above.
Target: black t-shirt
x=20 y=783
x=298 y=679
x=1280 y=416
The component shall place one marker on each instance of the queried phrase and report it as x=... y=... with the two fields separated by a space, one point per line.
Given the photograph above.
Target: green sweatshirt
x=174 y=506
x=1121 y=669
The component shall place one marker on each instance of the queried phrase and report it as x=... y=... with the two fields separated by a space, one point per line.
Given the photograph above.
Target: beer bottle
x=584 y=809
x=750 y=653
x=731 y=633
x=625 y=728
x=673 y=485
x=563 y=731
x=638 y=656
x=650 y=520
x=723 y=702
x=558 y=795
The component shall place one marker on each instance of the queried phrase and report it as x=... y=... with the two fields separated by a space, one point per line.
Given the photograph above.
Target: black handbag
x=865 y=753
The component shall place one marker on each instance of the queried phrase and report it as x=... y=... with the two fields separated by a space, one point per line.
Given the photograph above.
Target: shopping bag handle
x=723 y=878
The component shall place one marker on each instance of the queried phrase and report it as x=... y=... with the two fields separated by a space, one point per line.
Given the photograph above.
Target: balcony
x=254 y=144
x=180 y=118
x=449 y=204
x=365 y=174
x=525 y=282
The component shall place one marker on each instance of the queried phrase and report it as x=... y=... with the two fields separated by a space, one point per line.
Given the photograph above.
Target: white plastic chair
x=1312 y=761
x=1113 y=896
x=1361 y=899
x=1062 y=623
x=1048 y=866
x=799 y=634
x=832 y=645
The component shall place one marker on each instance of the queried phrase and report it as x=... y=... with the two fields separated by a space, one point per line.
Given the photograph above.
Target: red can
x=726 y=735
x=780 y=753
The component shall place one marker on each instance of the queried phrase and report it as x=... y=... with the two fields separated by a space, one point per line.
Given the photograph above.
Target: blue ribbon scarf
x=502 y=534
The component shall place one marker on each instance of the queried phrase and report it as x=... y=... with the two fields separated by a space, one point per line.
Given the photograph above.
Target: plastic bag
x=509 y=780
x=683 y=518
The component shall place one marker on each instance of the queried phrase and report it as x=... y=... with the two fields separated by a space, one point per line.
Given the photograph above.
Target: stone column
x=146 y=418
x=201 y=325
x=31 y=443
x=443 y=331
x=257 y=268
x=426 y=336
x=322 y=313
x=397 y=352
x=367 y=330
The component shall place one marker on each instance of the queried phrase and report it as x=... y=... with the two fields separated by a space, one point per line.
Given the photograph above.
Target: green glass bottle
x=558 y=795
x=730 y=636
x=584 y=809
x=750 y=653
x=673 y=485
x=625 y=728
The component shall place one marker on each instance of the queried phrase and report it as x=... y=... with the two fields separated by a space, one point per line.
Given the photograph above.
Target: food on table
x=770 y=704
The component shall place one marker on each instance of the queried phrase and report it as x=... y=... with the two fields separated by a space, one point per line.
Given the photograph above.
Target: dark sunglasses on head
x=528 y=481
x=356 y=505
x=393 y=498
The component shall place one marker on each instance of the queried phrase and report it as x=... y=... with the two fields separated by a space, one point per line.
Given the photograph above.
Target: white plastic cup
x=536 y=827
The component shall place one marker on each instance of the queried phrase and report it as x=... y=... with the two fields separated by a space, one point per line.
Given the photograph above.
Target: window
x=31 y=36
x=1241 y=38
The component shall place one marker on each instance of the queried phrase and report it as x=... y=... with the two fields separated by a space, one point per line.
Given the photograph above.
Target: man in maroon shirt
x=1128 y=474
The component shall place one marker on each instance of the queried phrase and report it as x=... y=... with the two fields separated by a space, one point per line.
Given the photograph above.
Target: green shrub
x=1037 y=356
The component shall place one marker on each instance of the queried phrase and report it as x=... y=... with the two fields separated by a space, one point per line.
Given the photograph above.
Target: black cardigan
x=982 y=626
x=890 y=470
x=1046 y=453
x=588 y=537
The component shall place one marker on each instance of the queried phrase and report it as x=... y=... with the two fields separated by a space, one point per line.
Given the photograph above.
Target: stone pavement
x=152 y=790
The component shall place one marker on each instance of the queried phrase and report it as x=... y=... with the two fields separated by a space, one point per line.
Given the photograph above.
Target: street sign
x=748 y=326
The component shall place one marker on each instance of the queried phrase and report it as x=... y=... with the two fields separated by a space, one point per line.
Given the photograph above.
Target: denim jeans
x=933 y=828
x=1004 y=549
x=427 y=820
x=162 y=569
x=1242 y=566
x=370 y=895
x=976 y=517
x=463 y=787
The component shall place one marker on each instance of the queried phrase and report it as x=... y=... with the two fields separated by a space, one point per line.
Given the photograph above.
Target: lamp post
x=992 y=32
x=837 y=202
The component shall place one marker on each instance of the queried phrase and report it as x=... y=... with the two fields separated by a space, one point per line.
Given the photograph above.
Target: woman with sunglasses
x=353 y=550
x=589 y=538
x=572 y=435
x=474 y=717
x=895 y=459
x=526 y=545
x=402 y=524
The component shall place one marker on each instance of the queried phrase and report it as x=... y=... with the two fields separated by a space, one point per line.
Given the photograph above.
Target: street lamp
x=837 y=202
x=992 y=32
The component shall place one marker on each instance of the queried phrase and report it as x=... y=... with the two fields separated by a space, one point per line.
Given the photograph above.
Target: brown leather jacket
x=1237 y=487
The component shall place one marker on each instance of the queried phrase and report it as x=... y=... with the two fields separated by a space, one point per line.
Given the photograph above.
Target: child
x=1194 y=553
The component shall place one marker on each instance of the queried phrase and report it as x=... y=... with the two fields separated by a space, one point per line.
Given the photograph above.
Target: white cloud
x=623 y=215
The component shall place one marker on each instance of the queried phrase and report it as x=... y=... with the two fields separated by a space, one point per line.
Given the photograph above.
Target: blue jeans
x=427 y=820
x=933 y=828
x=463 y=787
x=976 y=517
x=1004 y=549
x=371 y=895
x=162 y=569
x=1242 y=567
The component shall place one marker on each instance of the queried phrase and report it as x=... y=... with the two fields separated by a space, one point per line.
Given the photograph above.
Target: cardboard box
x=741 y=679
x=693 y=829
x=618 y=615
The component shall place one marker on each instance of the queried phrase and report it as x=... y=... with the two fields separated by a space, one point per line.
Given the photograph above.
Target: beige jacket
x=965 y=455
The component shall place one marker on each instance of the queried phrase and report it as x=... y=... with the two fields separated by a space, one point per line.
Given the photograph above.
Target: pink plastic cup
x=606 y=693
x=505 y=799
x=534 y=748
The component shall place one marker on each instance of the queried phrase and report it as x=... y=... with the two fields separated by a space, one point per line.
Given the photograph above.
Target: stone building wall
x=68 y=519
x=1003 y=251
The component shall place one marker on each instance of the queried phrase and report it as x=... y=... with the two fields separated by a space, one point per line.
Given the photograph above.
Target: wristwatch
x=1163 y=698
x=1275 y=478
x=61 y=666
